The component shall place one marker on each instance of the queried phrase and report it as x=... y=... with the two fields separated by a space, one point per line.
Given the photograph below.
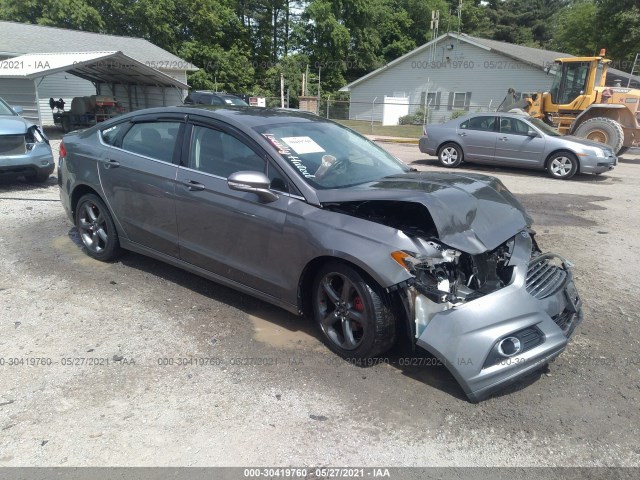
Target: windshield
x=546 y=129
x=235 y=101
x=5 y=109
x=328 y=155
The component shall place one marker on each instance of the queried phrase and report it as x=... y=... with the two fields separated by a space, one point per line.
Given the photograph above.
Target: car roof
x=219 y=94
x=245 y=116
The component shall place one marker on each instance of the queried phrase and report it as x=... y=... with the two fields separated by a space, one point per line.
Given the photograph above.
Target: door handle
x=503 y=139
x=462 y=134
x=194 y=186
x=111 y=164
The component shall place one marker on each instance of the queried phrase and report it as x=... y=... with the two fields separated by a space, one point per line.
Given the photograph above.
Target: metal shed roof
x=22 y=38
x=97 y=67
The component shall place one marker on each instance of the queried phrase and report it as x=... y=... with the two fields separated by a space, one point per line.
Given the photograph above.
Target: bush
x=412 y=119
x=458 y=114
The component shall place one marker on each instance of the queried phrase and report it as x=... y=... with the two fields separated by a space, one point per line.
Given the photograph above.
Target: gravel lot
x=271 y=393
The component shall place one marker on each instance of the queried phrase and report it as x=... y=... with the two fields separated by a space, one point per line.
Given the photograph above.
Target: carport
x=134 y=84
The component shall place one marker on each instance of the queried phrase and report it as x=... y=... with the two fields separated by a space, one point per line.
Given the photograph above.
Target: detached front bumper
x=537 y=312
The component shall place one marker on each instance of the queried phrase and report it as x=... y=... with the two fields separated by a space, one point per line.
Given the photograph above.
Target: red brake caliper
x=357 y=303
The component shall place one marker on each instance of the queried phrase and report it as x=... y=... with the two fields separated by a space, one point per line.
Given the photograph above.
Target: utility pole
x=282 y=90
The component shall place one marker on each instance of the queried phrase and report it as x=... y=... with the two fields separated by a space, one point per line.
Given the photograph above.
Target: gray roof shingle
x=21 y=38
x=534 y=56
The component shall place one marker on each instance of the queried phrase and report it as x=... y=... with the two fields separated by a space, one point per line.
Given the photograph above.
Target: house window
x=431 y=100
x=459 y=100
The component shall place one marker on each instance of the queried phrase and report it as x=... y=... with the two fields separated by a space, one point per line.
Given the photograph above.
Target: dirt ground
x=92 y=357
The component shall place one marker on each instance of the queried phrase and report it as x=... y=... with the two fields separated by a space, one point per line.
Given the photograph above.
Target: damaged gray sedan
x=310 y=216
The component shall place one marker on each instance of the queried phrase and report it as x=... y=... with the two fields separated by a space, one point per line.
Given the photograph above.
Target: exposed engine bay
x=442 y=274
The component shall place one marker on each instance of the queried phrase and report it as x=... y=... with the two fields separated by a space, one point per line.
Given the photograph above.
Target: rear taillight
x=63 y=151
x=424 y=132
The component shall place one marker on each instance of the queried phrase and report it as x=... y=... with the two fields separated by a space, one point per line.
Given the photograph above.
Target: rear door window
x=110 y=135
x=155 y=140
x=484 y=123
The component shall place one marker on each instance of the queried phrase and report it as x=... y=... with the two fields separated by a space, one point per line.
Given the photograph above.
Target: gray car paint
x=37 y=160
x=514 y=150
x=263 y=248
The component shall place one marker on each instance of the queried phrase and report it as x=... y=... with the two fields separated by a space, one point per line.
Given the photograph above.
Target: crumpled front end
x=495 y=317
x=24 y=149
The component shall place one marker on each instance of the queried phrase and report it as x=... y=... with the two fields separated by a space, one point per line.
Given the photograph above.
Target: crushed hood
x=13 y=125
x=472 y=213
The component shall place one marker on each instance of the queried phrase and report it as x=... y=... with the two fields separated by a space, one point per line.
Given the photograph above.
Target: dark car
x=204 y=97
x=24 y=148
x=308 y=215
x=514 y=140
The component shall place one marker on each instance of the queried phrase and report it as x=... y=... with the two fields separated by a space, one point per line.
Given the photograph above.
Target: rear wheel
x=603 y=130
x=96 y=228
x=356 y=319
x=450 y=155
x=563 y=165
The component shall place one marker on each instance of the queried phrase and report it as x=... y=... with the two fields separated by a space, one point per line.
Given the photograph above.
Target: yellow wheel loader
x=579 y=103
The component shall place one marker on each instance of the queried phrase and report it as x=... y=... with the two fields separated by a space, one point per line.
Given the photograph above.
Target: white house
x=456 y=72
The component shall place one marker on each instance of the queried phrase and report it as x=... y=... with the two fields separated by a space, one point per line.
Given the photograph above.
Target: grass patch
x=364 y=127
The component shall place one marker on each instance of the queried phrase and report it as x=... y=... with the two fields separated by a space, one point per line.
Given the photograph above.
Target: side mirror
x=18 y=110
x=252 y=182
x=532 y=134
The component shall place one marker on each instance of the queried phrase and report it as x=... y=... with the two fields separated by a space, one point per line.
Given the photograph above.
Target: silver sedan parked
x=514 y=140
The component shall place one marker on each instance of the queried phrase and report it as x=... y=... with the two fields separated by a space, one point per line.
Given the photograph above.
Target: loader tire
x=603 y=130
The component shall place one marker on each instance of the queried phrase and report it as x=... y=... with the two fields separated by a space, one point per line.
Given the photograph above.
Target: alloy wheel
x=561 y=166
x=93 y=227
x=342 y=311
x=449 y=156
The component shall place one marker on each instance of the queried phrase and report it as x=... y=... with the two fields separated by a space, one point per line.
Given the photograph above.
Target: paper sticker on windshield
x=228 y=101
x=302 y=145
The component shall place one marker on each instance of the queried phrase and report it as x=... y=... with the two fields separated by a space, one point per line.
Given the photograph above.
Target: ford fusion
x=310 y=216
x=515 y=140
x=24 y=149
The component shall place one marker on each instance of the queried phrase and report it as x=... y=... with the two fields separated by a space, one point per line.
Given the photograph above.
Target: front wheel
x=562 y=165
x=356 y=319
x=450 y=155
x=96 y=228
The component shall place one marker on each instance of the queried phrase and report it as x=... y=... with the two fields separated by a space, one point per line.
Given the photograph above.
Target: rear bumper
x=425 y=146
x=466 y=338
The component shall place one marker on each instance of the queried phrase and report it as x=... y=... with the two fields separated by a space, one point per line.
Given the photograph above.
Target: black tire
x=39 y=177
x=603 y=130
x=96 y=228
x=356 y=319
x=66 y=124
x=450 y=155
x=562 y=165
x=623 y=150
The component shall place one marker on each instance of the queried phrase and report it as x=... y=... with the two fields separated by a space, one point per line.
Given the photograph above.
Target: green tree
x=576 y=29
x=619 y=24
x=76 y=14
